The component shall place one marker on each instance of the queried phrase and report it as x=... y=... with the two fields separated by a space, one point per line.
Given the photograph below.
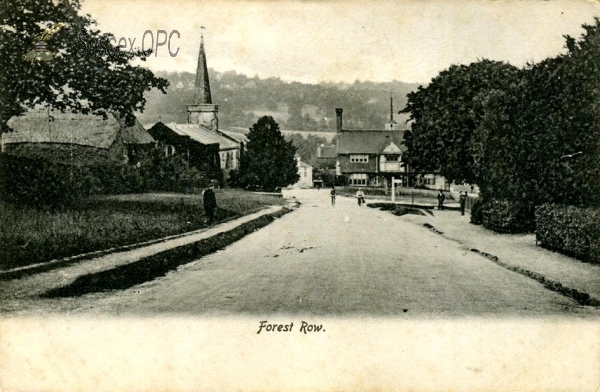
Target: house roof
x=237 y=136
x=392 y=148
x=355 y=167
x=135 y=134
x=37 y=126
x=299 y=161
x=368 y=142
x=202 y=135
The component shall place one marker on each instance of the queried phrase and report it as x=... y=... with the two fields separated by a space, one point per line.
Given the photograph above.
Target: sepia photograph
x=289 y=195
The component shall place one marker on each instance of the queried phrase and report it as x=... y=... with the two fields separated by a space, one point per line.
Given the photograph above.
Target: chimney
x=338 y=115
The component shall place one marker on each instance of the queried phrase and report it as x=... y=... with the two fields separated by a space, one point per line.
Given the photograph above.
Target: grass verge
x=152 y=267
x=30 y=236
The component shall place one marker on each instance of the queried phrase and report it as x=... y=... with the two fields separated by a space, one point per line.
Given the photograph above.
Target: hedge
x=506 y=216
x=37 y=182
x=43 y=183
x=570 y=230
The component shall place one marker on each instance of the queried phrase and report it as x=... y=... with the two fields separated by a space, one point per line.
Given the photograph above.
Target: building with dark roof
x=75 y=136
x=370 y=157
x=202 y=126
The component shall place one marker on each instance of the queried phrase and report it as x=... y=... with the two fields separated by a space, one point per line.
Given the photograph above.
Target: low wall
x=417 y=192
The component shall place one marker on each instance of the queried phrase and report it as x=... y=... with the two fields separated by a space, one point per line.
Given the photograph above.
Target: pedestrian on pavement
x=441 y=197
x=333 y=196
x=361 y=197
x=210 y=204
x=462 y=200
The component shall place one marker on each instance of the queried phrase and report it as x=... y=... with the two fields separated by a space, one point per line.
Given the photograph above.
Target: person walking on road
x=462 y=200
x=333 y=196
x=441 y=197
x=210 y=204
x=361 y=197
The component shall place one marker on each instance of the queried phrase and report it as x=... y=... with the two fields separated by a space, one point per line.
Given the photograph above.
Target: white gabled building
x=305 y=171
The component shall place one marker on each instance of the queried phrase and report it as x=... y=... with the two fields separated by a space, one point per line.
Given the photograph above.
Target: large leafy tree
x=447 y=112
x=88 y=73
x=268 y=162
x=540 y=139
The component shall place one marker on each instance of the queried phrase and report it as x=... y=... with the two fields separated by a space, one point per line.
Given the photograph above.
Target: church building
x=202 y=127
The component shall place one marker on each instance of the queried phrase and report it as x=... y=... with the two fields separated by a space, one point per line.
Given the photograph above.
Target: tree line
x=526 y=136
x=295 y=106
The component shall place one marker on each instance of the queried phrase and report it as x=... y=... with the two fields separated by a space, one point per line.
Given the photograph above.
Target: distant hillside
x=242 y=100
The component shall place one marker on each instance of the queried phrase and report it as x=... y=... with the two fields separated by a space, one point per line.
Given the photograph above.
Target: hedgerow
x=506 y=216
x=570 y=230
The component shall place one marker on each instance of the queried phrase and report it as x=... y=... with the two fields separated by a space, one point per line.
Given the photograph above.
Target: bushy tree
x=172 y=174
x=89 y=77
x=447 y=112
x=268 y=162
x=539 y=141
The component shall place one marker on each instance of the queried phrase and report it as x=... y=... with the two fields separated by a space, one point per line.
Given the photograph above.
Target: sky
x=346 y=40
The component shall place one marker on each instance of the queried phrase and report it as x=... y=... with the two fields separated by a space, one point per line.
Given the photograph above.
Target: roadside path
x=39 y=283
x=518 y=250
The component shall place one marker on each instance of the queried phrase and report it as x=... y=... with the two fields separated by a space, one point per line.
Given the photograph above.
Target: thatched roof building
x=38 y=130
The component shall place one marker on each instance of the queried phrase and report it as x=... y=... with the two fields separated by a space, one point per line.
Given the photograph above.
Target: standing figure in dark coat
x=441 y=197
x=210 y=204
x=462 y=200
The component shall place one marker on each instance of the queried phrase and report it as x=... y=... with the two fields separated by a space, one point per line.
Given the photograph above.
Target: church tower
x=203 y=111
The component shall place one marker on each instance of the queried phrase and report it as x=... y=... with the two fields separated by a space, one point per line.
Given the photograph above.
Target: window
x=359 y=158
x=169 y=150
x=392 y=157
x=358 y=179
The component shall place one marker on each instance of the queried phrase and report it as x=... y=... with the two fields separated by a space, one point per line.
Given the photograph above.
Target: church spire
x=391 y=108
x=392 y=124
x=202 y=85
x=202 y=111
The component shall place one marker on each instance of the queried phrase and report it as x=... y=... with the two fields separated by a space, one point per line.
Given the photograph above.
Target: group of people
x=210 y=202
x=360 y=196
x=462 y=201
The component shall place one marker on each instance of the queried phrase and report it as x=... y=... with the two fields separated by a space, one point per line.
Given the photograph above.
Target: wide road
x=342 y=260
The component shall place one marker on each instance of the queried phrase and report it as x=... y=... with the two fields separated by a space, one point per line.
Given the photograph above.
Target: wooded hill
x=295 y=106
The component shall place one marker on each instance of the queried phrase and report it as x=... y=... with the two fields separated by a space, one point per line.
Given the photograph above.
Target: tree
x=307 y=147
x=447 y=112
x=268 y=162
x=88 y=74
x=530 y=131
